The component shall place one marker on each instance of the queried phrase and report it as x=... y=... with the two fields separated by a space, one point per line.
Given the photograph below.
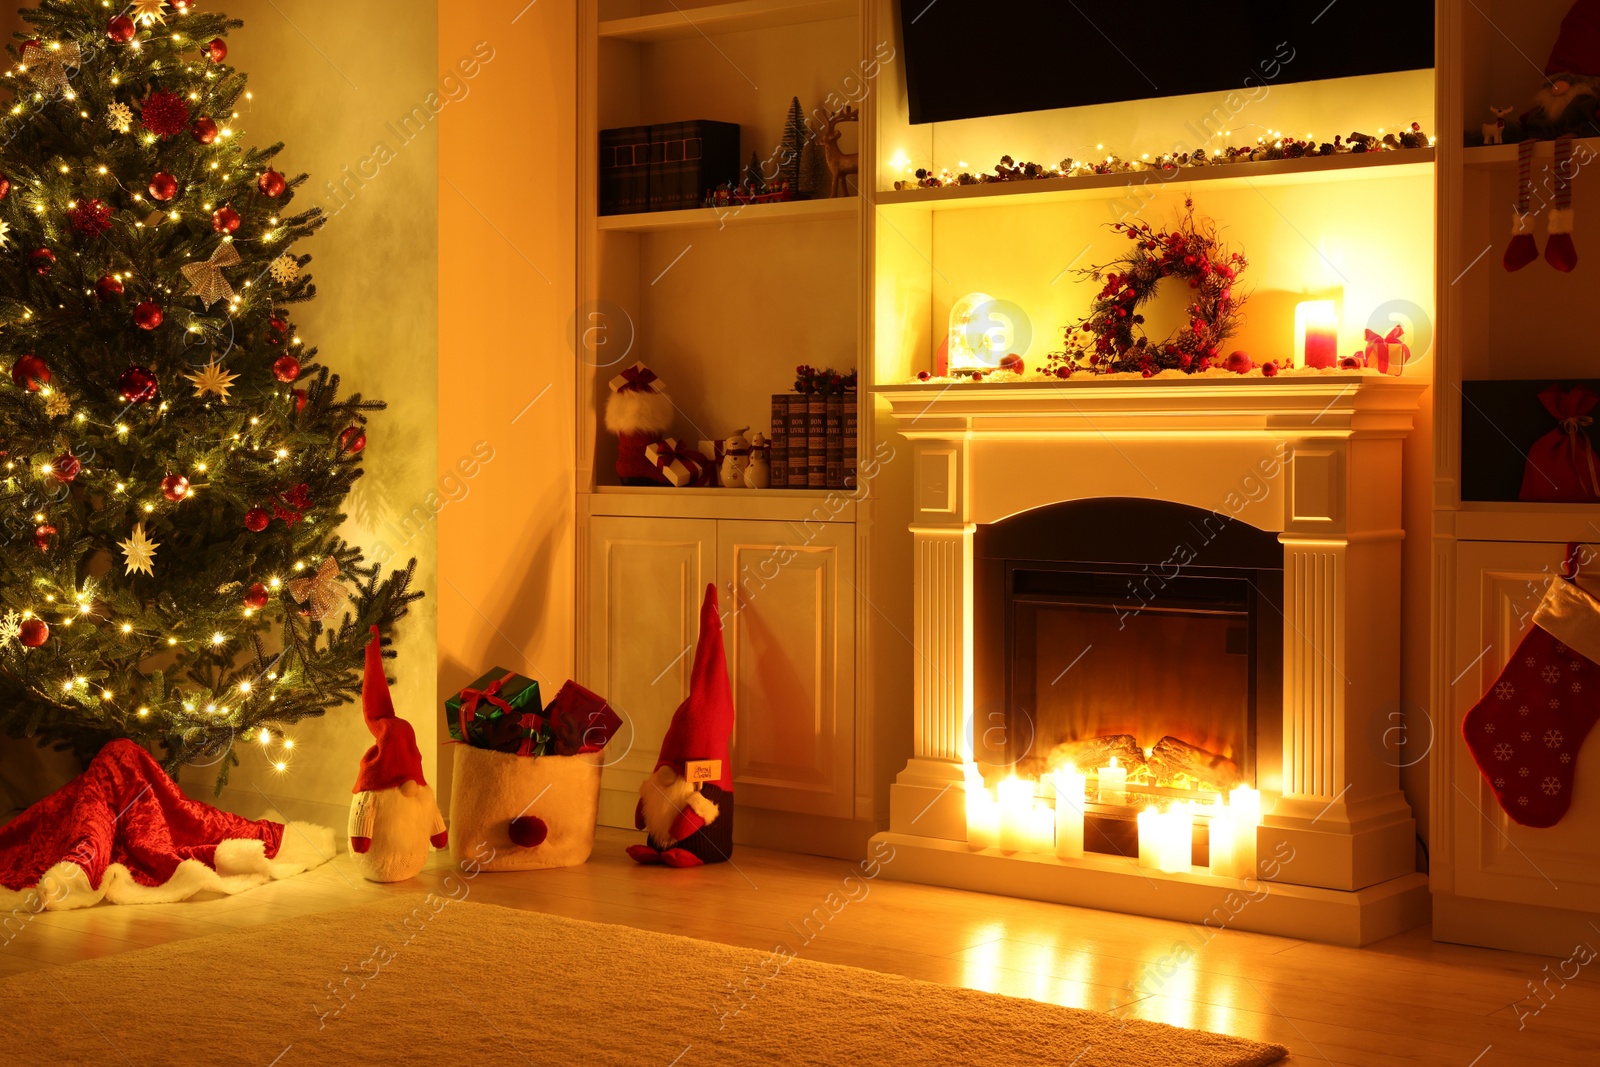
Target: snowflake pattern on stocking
x=1553 y=738
x=1552 y=674
x=1527 y=735
x=1522 y=772
x=1523 y=710
x=1503 y=752
x=1505 y=690
x=1551 y=786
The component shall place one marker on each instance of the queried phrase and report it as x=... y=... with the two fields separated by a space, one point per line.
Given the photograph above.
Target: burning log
x=1171 y=757
x=1092 y=752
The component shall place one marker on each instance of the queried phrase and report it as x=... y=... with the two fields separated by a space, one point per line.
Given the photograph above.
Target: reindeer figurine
x=1495 y=132
x=840 y=164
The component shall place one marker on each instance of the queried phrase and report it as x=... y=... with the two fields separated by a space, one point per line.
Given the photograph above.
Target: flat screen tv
x=970 y=58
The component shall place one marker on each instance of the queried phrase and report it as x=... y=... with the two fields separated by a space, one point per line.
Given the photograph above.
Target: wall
x=507 y=374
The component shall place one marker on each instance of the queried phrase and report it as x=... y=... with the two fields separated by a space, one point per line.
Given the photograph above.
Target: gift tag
x=702 y=770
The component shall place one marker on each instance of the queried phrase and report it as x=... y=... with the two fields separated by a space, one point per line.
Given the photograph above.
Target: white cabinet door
x=646 y=578
x=789 y=625
x=1498 y=586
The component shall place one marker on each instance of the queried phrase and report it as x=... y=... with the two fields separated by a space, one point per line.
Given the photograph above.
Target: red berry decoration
x=43 y=260
x=217 y=50
x=108 y=288
x=352 y=439
x=286 y=368
x=256 y=597
x=121 y=29
x=147 y=316
x=175 y=487
x=163 y=186
x=164 y=114
x=33 y=633
x=41 y=537
x=205 y=130
x=256 y=519
x=30 y=372
x=299 y=399
x=5 y=186
x=271 y=184
x=225 y=219
x=65 y=467
x=137 y=385
x=91 y=218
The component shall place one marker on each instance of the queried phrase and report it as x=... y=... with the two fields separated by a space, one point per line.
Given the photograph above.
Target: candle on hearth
x=1317 y=329
x=1071 y=785
x=1041 y=829
x=1016 y=808
x=1149 y=834
x=1113 y=782
x=1245 y=804
x=983 y=816
x=1222 y=857
x=1176 y=837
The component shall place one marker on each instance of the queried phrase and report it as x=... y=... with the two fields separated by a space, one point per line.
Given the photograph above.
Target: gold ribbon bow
x=323 y=593
x=206 y=280
x=1573 y=426
x=47 y=64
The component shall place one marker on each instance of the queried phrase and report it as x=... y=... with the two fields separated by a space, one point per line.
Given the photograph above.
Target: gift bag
x=1562 y=467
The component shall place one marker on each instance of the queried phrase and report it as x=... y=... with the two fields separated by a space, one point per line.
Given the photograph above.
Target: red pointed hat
x=1577 y=47
x=395 y=757
x=703 y=723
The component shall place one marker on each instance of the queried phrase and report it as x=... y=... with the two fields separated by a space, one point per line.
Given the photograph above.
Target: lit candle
x=1177 y=836
x=1245 y=804
x=1041 y=829
x=983 y=816
x=1016 y=807
x=1149 y=846
x=1113 y=783
x=1318 y=327
x=1070 y=791
x=1222 y=859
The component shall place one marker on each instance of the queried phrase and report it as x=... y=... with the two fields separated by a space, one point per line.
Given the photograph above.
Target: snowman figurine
x=758 y=475
x=735 y=458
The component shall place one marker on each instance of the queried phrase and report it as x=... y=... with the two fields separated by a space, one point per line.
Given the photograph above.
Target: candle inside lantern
x=1316 y=327
x=983 y=815
x=1177 y=836
x=1222 y=856
x=1071 y=785
x=1149 y=833
x=1113 y=782
x=1016 y=810
x=1245 y=803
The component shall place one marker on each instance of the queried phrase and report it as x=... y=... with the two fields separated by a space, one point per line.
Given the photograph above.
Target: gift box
x=579 y=721
x=679 y=464
x=499 y=711
x=1387 y=353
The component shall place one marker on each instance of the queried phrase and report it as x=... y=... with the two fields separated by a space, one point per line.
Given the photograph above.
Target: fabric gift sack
x=1562 y=467
x=519 y=813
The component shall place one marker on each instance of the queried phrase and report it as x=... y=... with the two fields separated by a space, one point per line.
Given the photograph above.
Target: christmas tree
x=175 y=457
x=794 y=146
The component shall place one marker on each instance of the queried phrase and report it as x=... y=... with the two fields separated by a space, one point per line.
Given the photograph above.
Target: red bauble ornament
x=137 y=385
x=1012 y=363
x=174 y=487
x=148 y=315
x=271 y=184
x=225 y=219
x=286 y=368
x=299 y=399
x=352 y=439
x=256 y=519
x=43 y=260
x=163 y=186
x=5 y=186
x=923 y=376
x=121 y=29
x=65 y=467
x=277 y=330
x=256 y=597
x=108 y=288
x=1239 y=362
x=33 y=633
x=42 y=535
x=30 y=372
x=217 y=50
x=164 y=114
x=1269 y=370
x=205 y=130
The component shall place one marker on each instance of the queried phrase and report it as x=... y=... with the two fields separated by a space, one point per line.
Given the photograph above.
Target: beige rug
x=424 y=980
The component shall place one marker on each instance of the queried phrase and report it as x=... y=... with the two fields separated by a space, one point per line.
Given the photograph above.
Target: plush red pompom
x=528 y=831
x=164 y=114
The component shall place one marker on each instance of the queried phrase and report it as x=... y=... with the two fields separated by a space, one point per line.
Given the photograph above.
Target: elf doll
x=394 y=817
x=686 y=805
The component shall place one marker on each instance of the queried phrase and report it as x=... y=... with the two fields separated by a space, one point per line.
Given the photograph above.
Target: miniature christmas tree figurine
x=794 y=146
x=175 y=456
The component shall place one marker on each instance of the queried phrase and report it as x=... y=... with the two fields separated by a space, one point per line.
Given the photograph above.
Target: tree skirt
x=477 y=983
x=122 y=831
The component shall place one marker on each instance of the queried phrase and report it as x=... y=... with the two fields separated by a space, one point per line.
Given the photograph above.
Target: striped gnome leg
x=1522 y=251
x=1559 y=251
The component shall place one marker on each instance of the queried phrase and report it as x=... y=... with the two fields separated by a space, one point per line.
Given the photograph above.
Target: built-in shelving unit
x=688 y=21
x=716 y=218
x=1494 y=155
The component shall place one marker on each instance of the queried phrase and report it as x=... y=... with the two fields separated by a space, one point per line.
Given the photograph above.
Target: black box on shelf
x=689 y=159
x=625 y=170
x=1502 y=425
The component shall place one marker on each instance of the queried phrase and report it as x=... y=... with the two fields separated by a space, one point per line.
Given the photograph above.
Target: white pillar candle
x=1016 y=805
x=1222 y=853
x=1071 y=786
x=1149 y=834
x=1041 y=829
x=1177 y=837
x=1245 y=804
x=1113 y=783
x=983 y=816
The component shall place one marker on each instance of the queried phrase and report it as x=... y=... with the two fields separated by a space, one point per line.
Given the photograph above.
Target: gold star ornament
x=212 y=379
x=323 y=593
x=139 y=552
x=148 y=12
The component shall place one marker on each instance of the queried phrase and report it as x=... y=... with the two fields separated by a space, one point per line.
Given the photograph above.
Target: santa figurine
x=686 y=805
x=394 y=816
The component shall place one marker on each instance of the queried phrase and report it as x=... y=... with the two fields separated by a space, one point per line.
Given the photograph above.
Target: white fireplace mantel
x=1315 y=459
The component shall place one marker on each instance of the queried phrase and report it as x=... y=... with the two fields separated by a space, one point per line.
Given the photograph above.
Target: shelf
x=781 y=505
x=1512 y=520
x=1496 y=154
x=1347 y=167
x=706 y=218
x=724 y=18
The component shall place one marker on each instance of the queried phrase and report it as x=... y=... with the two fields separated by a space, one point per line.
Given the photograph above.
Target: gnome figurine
x=686 y=806
x=394 y=817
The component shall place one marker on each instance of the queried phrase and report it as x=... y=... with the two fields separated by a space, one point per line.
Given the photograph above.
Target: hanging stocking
x=1522 y=251
x=1526 y=731
x=1559 y=250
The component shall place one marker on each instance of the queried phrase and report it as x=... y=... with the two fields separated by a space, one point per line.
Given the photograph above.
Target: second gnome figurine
x=394 y=816
x=686 y=805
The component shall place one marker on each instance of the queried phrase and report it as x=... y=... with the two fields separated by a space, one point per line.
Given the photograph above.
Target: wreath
x=1109 y=339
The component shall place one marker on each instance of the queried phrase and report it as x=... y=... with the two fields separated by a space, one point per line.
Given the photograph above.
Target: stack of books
x=814 y=440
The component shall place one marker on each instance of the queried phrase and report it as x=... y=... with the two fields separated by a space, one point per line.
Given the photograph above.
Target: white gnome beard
x=401 y=828
x=663 y=796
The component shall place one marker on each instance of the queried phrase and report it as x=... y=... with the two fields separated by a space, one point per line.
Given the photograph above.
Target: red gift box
x=1387 y=353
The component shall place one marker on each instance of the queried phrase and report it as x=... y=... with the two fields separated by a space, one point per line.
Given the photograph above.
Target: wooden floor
x=1403 y=1001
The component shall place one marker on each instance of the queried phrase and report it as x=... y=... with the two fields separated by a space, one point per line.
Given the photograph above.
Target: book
x=835 y=444
x=688 y=159
x=852 y=432
x=799 y=441
x=816 y=441
x=625 y=170
x=779 y=440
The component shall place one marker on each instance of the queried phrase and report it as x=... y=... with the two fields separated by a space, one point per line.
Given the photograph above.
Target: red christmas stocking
x=1522 y=251
x=1559 y=251
x=1526 y=731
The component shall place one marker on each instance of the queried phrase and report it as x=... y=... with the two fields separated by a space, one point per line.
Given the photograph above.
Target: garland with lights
x=174 y=455
x=1107 y=339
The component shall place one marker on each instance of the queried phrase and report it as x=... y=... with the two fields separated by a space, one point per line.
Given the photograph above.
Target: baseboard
x=1514 y=927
